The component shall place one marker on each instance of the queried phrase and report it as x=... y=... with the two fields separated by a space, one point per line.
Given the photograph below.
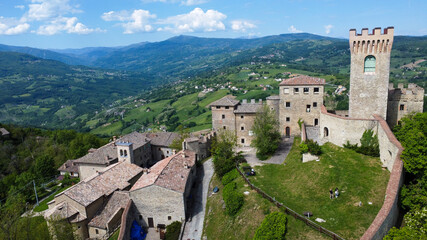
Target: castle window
x=121 y=152
x=242 y=140
x=314 y=104
x=288 y=119
x=169 y=218
x=286 y=90
x=241 y=116
x=96 y=231
x=316 y=90
x=227 y=107
x=306 y=89
x=223 y=116
x=224 y=127
x=296 y=90
x=308 y=108
x=126 y=153
x=402 y=107
x=242 y=128
x=370 y=63
x=288 y=104
x=218 y=107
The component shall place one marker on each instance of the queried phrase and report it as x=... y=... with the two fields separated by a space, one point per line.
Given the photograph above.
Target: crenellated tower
x=369 y=72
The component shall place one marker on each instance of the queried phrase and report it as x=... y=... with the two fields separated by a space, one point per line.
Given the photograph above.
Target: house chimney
x=244 y=101
x=252 y=101
x=260 y=101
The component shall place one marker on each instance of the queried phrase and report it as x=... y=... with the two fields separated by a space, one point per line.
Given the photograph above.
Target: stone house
x=161 y=195
x=82 y=202
x=69 y=167
x=160 y=145
x=200 y=145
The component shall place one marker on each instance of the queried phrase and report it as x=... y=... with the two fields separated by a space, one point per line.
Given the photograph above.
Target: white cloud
x=193 y=2
x=20 y=7
x=293 y=29
x=137 y=21
x=65 y=24
x=195 y=21
x=241 y=25
x=40 y=10
x=328 y=28
x=10 y=26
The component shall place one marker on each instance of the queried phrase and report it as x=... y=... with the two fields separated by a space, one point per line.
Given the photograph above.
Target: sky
x=60 y=24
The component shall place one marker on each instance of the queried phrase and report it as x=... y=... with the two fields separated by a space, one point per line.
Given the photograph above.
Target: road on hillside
x=194 y=228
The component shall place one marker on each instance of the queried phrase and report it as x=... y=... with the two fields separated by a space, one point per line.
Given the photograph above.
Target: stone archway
x=287 y=132
x=325 y=132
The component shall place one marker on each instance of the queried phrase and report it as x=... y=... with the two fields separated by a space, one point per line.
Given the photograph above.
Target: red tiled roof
x=303 y=80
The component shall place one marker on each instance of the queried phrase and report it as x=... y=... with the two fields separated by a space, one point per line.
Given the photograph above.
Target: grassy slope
x=218 y=225
x=43 y=204
x=305 y=187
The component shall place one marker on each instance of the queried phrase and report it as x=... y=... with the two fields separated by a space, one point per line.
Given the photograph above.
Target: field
x=305 y=187
x=247 y=220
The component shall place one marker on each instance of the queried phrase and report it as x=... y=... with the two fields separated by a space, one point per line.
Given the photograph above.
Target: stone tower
x=125 y=152
x=369 y=72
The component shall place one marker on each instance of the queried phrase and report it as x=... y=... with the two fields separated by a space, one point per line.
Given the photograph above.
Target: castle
x=301 y=98
x=374 y=104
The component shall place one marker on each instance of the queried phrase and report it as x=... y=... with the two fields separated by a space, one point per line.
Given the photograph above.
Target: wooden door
x=150 y=222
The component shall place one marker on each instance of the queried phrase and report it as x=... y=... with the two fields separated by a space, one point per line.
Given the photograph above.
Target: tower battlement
x=373 y=43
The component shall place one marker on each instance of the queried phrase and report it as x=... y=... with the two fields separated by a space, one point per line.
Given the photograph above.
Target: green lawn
x=43 y=204
x=220 y=226
x=305 y=187
x=115 y=236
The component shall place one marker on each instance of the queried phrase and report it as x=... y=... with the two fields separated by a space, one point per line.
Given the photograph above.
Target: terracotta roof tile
x=248 y=108
x=228 y=100
x=303 y=80
x=171 y=173
x=69 y=166
x=163 y=139
x=117 y=201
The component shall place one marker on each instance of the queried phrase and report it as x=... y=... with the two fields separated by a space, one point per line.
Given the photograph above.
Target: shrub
x=303 y=148
x=272 y=227
x=229 y=177
x=173 y=230
x=313 y=147
x=369 y=144
x=233 y=200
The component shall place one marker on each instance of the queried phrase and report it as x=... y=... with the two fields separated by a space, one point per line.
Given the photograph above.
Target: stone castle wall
x=244 y=124
x=403 y=101
x=223 y=118
x=369 y=90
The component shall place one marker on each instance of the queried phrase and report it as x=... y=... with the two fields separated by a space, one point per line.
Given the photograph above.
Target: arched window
x=370 y=63
x=325 y=132
x=121 y=152
x=126 y=153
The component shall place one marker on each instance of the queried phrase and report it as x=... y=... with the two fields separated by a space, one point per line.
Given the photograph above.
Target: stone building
x=300 y=99
x=161 y=194
x=161 y=145
x=69 y=167
x=403 y=101
x=200 y=145
x=369 y=72
x=82 y=202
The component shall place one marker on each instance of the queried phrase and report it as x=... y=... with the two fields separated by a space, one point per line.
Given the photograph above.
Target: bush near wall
x=233 y=200
x=173 y=230
x=272 y=227
x=311 y=147
x=229 y=177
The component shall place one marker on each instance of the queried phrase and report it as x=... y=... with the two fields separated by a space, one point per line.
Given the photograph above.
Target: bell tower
x=369 y=72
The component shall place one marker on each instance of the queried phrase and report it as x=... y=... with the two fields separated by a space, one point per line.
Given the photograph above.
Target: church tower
x=369 y=72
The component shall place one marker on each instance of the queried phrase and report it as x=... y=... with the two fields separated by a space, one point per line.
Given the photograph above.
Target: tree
x=177 y=142
x=224 y=157
x=415 y=227
x=369 y=144
x=272 y=227
x=61 y=228
x=173 y=230
x=267 y=135
x=45 y=167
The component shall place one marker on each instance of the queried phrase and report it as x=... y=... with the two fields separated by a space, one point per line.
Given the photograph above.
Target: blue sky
x=92 y=23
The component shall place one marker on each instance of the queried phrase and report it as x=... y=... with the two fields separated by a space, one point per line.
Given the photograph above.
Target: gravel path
x=278 y=158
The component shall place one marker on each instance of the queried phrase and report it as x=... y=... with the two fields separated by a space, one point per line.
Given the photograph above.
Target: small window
x=316 y=90
x=306 y=89
x=242 y=128
x=224 y=127
x=159 y=149
x=286 y=90
x=288 y=119
x=167 y=152
x=218 y=107
x=223 y=116
x=315 y=104
x=402 y=107
x=308 y=108
x=288 y=104
x=227 y=107
x=140 y=217
x=96 y=231
x=169 y=218
x=126 y=153
x=370 y=63
x=242 y=140
x=241 y=116
x=296 y=90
